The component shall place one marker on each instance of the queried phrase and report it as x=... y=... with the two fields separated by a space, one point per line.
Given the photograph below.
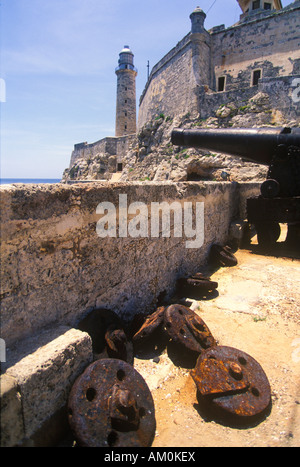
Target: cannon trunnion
x=279 y=148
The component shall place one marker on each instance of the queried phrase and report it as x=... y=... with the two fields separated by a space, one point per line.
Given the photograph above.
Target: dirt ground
x=256 y=310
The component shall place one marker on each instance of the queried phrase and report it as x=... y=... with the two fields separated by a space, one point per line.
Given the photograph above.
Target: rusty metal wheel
x=195 y=286
x=222 y=255
x=110 y=405
x=233 y=381
x=151 y=324
x=185 y=327
x=270 y=188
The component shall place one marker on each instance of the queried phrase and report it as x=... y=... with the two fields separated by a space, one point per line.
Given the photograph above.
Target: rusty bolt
x=123 y=408
x=235 y=370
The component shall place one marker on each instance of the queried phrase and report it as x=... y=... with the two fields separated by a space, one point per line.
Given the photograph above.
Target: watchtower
x=126 y=94
x=201 y=52
x=251 y=7
x=197 y=18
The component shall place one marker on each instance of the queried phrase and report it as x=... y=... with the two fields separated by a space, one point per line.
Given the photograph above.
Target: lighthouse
x=126 y=94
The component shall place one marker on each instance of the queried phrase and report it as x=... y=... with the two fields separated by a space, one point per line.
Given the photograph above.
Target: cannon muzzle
x=254 y=144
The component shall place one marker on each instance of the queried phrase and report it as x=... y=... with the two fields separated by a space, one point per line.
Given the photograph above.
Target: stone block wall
x=269 y=44
x=171 y=86
x=99 y=160
x=55 y=268
x=86 y=151
x=278 y=93
x=35 y=387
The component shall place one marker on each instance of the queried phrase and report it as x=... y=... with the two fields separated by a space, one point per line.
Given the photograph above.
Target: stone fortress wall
x=103 y=155
x=207 y=70
x=56 y=270
x=269 y=44
x=185 y=79
x=49 y=233
x=50 y=243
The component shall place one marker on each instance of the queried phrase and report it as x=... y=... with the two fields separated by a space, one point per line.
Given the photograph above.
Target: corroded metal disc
x=196 y=286
x=117 y=345
x=222 y=255
x=185 y=327
x=110 y=405
x=96 y=324
x=108 y=335
x=151 y=324
x=232 y=380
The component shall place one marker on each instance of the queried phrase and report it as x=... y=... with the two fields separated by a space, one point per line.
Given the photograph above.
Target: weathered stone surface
x=184 y=88
x=12 y=429
x=150 y=156
x=157 y=159
x=99 y=160
x=45 y=374
x=186 y=78
x=55 y=268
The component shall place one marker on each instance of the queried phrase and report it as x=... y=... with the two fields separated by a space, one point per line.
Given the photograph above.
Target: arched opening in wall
x=119 y=167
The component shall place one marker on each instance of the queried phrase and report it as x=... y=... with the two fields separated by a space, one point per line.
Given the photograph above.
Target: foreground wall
x=55 y=268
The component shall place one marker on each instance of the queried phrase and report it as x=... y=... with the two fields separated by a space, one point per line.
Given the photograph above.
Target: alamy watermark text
x=137 y=220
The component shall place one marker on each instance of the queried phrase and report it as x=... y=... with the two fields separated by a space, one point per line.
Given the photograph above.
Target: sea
x=9 y=181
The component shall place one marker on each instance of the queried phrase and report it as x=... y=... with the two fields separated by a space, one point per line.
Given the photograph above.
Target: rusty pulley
x=110 y=405
x=151 y=324
x=222 y=255
x=196 y=286
x=108 y=335
x=233 y=381
x=185 y=327
x=117 y=344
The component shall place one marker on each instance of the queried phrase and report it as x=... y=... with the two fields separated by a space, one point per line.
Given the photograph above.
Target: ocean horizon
x=10 y=181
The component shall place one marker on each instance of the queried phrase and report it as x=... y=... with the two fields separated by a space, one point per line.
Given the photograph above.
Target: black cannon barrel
x=253 y=144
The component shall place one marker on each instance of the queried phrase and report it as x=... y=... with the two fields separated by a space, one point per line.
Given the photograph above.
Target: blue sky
x=58 y=59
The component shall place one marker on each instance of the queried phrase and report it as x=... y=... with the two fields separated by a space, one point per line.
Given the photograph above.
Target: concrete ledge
x=35 y=389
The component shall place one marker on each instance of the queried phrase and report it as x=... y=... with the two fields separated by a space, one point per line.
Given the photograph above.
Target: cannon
x=279 y=149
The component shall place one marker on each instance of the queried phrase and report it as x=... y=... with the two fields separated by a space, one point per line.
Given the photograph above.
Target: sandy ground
x=256 y=310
